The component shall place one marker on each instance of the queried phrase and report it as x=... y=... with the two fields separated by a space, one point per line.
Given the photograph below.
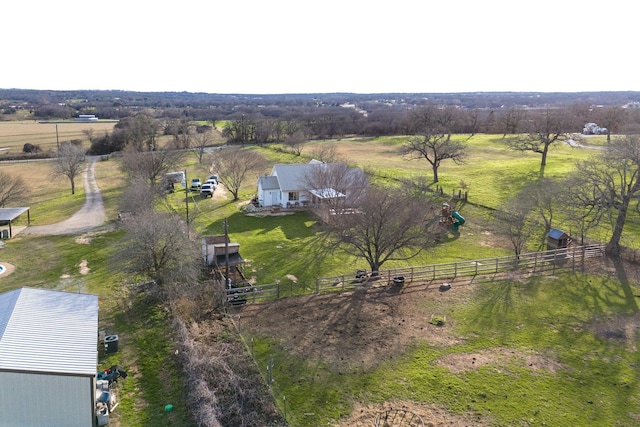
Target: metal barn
x=48 y=358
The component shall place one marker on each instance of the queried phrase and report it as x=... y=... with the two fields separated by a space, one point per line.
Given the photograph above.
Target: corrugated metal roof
x=48 y=331
x=9 y=214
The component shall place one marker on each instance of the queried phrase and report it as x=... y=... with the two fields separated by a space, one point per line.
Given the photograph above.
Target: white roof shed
x=48 y=358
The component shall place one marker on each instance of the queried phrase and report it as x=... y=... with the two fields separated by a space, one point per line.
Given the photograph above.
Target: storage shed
x=48 y=358
x=557 y=239
x=215 y=249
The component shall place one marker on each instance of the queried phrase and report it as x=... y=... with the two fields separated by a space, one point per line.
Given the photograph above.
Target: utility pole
x=186 y=195
x=226 y=254
x=57 y=138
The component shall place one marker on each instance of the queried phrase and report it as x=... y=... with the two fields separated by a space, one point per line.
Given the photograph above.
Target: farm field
x=14 y=134
x=555 y=349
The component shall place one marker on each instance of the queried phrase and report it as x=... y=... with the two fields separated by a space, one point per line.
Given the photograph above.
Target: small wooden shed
x=557 y=239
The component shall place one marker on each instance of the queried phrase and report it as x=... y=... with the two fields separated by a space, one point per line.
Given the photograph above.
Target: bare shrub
x=224 y=385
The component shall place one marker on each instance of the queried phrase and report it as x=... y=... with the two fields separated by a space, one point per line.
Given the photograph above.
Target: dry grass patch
x=14 y=134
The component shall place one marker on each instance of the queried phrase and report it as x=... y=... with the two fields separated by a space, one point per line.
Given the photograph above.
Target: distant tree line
x=542 y=126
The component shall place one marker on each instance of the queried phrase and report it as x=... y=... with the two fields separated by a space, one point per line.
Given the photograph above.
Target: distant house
x=308 y=184
x=86 y=118
x=48 y=358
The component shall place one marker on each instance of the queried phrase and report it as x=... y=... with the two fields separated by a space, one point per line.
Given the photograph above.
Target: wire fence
x=573 y=257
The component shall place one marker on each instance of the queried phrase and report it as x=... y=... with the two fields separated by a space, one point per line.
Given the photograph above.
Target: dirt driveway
x=90 y=216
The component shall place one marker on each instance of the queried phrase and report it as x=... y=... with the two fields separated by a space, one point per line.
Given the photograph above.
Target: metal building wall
x=51 y=400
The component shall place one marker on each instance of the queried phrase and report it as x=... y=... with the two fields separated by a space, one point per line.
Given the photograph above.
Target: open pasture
x=524 y=350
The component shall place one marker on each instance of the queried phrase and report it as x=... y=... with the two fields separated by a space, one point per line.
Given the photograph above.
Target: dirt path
x=90 y=216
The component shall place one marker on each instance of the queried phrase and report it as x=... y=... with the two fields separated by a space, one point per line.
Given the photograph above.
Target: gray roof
x=9 y=214
x=48 y=331
x=557 y=234
x=296 y=177
x=292 y=177
x=269 y=183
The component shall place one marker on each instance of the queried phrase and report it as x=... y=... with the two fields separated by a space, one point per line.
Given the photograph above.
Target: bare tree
x=385 y=225
x=69 y=163
x=233 y=165
x=582 y=210
x=183 y=132
x=614 y=180
x=150 y=165
x=513 y=220
x=138 y=132
x=201 y=140
x=542 y=196
x=138 y=196
x=295 y=142
x=511 y=120
x=545 y=129
x=325 y=152
x=336 y=184
x=90 y=134
x=12 y=189
x=157 y=246
x=612 y=118
x=433 y=140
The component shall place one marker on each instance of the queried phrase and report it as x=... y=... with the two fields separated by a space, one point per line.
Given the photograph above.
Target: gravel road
x=90 y=216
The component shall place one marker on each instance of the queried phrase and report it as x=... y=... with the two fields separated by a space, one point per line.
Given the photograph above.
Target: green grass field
x=596 y=383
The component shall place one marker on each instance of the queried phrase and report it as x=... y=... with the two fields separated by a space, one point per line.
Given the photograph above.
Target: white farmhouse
x=308 y=184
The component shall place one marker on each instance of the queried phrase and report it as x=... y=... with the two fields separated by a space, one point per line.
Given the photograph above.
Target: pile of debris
x=106 y=400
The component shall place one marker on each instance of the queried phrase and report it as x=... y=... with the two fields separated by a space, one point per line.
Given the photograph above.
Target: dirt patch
x=359 y=328
x=431 y=416
x=8 y=268
x=83 y=266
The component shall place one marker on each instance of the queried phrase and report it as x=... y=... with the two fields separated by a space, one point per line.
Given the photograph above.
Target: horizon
x=321 y=93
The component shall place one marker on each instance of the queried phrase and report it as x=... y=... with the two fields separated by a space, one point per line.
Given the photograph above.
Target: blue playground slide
x=458 y=220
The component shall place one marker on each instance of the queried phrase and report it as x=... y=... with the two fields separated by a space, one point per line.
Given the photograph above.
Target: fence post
x=277 y=290
x=497 y=261
x=317 y=286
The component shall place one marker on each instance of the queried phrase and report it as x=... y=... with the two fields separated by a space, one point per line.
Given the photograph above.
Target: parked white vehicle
x=207 y=190
x=196 y=184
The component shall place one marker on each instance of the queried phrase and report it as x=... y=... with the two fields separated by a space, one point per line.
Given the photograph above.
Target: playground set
x=450 y=217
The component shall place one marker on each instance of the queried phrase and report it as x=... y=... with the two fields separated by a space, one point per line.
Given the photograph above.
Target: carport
x=7 y=217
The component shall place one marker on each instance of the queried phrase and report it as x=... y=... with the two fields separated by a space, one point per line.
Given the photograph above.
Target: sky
x=287 y=46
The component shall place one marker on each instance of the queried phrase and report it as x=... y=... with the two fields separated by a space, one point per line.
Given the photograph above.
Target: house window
x=294 y=196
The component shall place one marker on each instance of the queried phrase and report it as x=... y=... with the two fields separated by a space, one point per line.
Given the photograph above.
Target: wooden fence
x=572 y=257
